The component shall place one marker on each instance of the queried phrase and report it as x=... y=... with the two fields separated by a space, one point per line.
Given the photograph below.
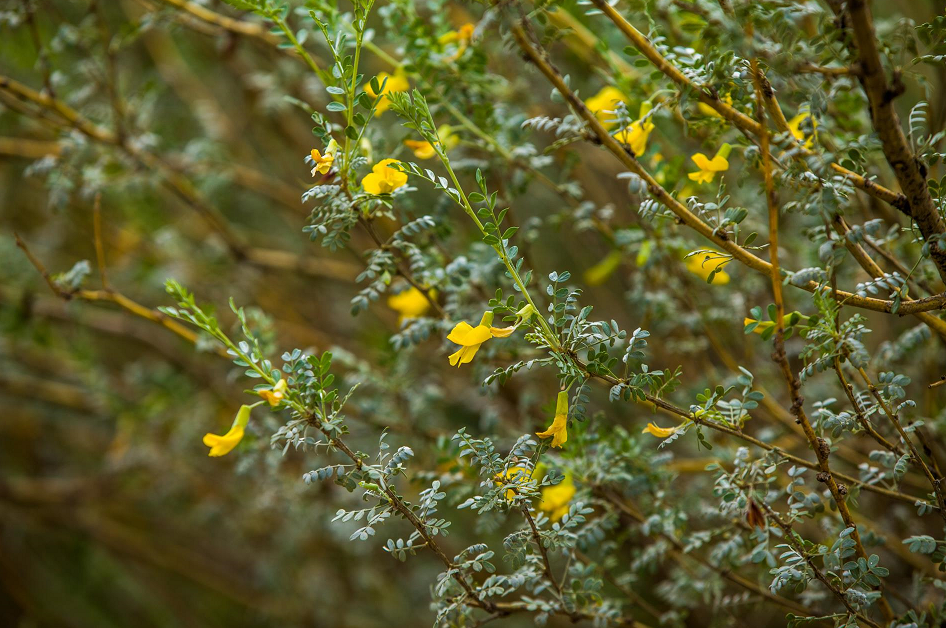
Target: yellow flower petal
x=555 y=499
x=222 y=445
x=605 y=100
x=421 y=149
x=396 y=83
x=502 y=332
x=466 y=335
x=699 y=265
x=275 y=395
x=410 y=303
x=558 y=430
x=660 y=432
x=383 y=179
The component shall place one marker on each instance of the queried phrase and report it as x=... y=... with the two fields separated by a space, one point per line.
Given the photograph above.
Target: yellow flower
x=426 y=150
x=795 y=126
x=555 y=499
x=709 y=167
x=558 y=430
x=422 y=150
x=660 y=432
x=787 y=321
x=222 y=445
x=703 y=264
x=396 y=83
x=636 y=133
x=464 y=34
x=383 y=179
x=706 y=110
x=605 y=100
x=323 y=163
x=276 y=395
x=513 y=473
x=410 y=303
x=471 y=338
x=599 y=273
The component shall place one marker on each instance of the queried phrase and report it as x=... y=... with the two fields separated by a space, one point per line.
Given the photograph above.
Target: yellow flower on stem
x=636 y=133
x=513 y=473
x=605 y=101
x=709 y=167
x=461 y=37
x=704 y=262
x=222 y=445
x=556 y=499
x=395 y=83
x=558 y=430
x=383 y=179
x=421 y=149
x=660 y=432
x=410 y=303
x=794 y=126
x=426 y=150
x=471 y=338
x=323 y=163
x=275 y=395
x=706 y=110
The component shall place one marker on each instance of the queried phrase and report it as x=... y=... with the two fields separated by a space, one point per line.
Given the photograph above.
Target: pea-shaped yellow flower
x=704 y=263
x=222 y=445
x=556 y=499
x=323 y=163
x=636 y=133
x=709 y=167
x=512 y=473
x=706 y=110
x=472 y=338
x=794 y=126
x=396 y=83
x=660 y=432
x=383 y=179
x=558 y=430
x=410 y=303
x=605 y=100
x=426 y=150
x=276 y=394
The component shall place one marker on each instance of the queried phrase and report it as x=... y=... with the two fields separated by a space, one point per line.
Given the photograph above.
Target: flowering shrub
x=619 y=313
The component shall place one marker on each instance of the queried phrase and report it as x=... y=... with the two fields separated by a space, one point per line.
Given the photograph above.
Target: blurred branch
x=907 y=167
x=110 y=296
x=185 y=190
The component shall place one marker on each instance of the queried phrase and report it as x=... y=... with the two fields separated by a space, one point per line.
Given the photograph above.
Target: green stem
x=295 y=43
x=550 y=335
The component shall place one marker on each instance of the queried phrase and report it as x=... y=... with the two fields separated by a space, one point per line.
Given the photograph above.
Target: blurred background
x=111 y=513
